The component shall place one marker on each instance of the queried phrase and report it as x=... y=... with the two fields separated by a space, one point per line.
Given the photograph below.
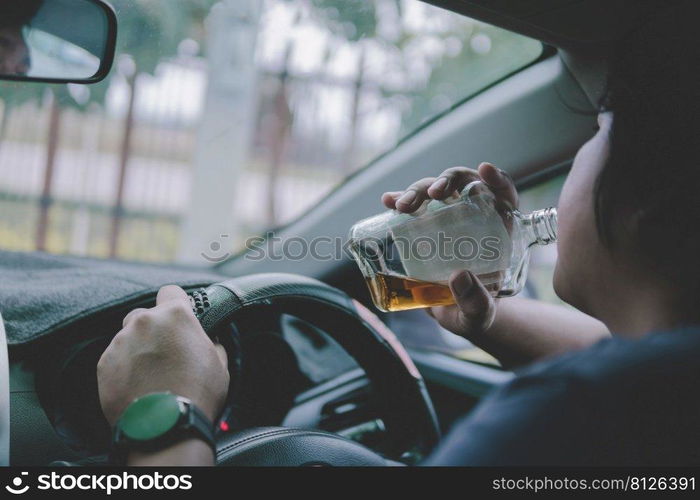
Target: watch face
x=150 y=417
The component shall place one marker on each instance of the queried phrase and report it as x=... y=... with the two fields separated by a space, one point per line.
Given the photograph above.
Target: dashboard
x=292 y=374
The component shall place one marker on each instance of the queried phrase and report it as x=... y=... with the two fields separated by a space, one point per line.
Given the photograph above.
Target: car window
x=273 y=103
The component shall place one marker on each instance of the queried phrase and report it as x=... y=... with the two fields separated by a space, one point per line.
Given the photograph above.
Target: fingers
x=474 y=311
x=414 y=196
x=474 y=301
x=500 y=183
x=452 y=180
x=389 y=199
x=130 y=317
x=167 y=294
x=171 y=293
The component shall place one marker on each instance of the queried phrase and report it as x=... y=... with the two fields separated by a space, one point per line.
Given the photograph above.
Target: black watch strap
x=199 y=426
x=191 y=424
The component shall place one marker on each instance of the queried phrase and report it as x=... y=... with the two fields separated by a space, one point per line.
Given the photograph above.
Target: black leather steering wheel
x=406 y=408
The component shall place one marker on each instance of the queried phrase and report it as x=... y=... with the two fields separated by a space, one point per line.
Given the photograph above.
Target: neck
x=641 y=309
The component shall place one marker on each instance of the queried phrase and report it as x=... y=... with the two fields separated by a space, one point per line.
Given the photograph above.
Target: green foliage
x=455 y=78
x=152 y=29
x=16 y=93
x=149 y=31
x=349 y=19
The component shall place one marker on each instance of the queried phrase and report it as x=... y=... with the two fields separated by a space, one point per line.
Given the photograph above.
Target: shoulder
x=620 y=359
x=615 y=391
x=586 y=407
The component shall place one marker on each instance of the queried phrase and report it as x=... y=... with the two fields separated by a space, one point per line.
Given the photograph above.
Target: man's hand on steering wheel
x=168 y=349
x=163 y=349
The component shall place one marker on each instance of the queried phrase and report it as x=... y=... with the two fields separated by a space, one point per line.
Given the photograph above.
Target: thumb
x=476 y=306
x=221 y=353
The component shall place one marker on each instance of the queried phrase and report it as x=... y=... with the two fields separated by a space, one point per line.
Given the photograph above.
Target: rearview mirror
x=56 y=41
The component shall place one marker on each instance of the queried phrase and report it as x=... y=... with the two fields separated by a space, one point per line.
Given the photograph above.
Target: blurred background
x=222 y=119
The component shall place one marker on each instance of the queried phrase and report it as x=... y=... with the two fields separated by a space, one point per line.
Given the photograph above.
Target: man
x=628 y=250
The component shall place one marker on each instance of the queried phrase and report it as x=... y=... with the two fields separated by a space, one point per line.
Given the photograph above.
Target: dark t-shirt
x=620 y=402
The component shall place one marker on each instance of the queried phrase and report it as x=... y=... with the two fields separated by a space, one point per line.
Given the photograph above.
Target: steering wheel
x=405 y=406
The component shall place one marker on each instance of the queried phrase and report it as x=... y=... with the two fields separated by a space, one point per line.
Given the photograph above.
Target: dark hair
x=18 y=12
x=649 y=189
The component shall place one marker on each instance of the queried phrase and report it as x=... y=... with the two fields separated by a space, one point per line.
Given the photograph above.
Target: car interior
x=318 y=376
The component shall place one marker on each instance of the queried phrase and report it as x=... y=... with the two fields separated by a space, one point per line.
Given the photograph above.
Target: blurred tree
x=152 y=30
x=353 y=20
x=471 y=55
x=480 y=55
x=149 y=31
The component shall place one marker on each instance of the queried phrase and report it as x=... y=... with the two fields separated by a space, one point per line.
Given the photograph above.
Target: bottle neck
x=541 y=226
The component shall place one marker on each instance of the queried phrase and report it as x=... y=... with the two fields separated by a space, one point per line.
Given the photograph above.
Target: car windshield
x=222 y=119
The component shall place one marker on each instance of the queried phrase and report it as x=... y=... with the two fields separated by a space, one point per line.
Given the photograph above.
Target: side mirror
x=56 y=41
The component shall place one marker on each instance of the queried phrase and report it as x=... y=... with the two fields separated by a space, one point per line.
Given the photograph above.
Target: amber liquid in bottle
x=392 y=293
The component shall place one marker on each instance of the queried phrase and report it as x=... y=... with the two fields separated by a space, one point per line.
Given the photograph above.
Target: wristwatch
x=159 y=420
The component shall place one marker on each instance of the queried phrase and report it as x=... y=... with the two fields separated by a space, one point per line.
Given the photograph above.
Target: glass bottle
x=407 y=259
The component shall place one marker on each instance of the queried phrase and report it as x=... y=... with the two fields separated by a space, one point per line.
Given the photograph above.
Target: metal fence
x=113 y=180
x=120 y=177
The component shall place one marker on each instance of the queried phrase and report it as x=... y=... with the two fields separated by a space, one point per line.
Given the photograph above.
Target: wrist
x=155 y=423
x=211 y=411
x=189 y=452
